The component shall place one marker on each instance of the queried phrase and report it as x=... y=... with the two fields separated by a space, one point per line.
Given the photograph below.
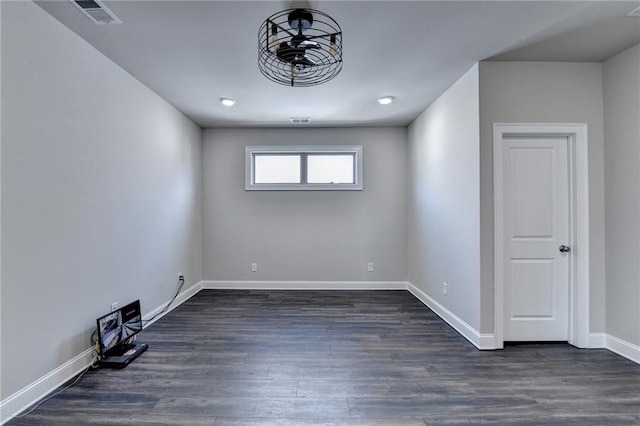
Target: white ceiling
x=194 y=52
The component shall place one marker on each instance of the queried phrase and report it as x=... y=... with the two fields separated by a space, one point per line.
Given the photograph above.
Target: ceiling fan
x=296 y=49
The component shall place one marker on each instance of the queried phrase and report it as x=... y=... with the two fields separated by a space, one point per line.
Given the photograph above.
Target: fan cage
x=328 y=58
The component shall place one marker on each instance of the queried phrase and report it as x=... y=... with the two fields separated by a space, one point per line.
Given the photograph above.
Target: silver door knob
x=564 y=249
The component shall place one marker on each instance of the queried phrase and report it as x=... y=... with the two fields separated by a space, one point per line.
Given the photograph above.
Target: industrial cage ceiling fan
x=300 y=47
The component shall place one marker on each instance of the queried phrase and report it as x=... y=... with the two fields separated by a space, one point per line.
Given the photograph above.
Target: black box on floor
x=130 y=353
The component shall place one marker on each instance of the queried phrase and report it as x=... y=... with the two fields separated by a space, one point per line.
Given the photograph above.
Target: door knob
x=564 y=249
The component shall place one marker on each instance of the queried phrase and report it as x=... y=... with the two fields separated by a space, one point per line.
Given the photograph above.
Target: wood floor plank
x=340 y=358
x=271 y=407
x=322 y=422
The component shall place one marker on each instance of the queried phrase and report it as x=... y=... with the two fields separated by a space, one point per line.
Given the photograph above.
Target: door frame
x=579 y=223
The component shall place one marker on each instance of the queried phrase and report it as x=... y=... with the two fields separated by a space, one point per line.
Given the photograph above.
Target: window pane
x=330 y=168
x=271 y=168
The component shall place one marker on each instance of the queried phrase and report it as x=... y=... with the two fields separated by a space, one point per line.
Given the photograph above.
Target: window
x=276 y=168
x=330 y=167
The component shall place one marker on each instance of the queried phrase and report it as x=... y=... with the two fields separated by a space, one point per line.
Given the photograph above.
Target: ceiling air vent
x=96 y=11
x=634 y=12
x=300 y=120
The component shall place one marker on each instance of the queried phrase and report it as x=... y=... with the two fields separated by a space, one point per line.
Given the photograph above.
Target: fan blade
x=309 y=44
x=287 y=53
x=306 y=61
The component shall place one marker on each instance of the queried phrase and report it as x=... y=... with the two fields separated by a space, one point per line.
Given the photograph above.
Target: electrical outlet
x=370 y=267
x=445 y=289
x=254 y=267
x=114 y=306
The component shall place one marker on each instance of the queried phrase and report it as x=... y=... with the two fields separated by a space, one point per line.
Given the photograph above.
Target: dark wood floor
x=366 y=358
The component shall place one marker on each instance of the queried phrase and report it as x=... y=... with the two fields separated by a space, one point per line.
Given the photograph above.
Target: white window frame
x=303 y=150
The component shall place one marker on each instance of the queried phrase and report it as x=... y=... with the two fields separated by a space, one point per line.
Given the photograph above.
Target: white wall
x=444 y=200
x=305 y=235
x=543 y=92
x=100 y=194
x=622 y=188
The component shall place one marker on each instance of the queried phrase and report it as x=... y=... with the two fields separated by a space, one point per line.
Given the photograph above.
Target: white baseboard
x=623 y=348
x=483 y=341
x=616 y=345
x=180 y=299
x=304 y=285
x=32 y=393
x=37 y=390
x=597 y=340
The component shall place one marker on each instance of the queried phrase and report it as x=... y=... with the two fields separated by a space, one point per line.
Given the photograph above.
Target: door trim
x=579 y=226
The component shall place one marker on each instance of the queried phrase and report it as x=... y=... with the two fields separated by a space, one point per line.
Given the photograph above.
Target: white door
x=536 y=238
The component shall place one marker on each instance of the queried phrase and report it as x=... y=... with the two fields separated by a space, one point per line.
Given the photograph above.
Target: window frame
x=303 y=151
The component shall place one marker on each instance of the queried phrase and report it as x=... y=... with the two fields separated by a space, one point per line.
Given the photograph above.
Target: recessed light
x=227 y=101
x=385 y=100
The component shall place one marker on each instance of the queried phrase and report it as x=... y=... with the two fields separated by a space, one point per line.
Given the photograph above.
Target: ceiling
x=192 y=53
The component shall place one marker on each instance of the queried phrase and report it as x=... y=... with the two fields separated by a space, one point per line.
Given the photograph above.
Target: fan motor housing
x=300 y=19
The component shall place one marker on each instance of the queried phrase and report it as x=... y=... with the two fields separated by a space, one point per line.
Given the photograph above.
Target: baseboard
x=32 y=393
x=483 y=341
x=304 y=285
x=623 y=348
x=37 y=390
x=180 y=299
x=597 y=341
x=615 y=345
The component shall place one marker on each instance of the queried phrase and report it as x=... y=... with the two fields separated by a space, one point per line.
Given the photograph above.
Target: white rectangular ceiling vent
x=300 y=120
x=634 y=12
x=96 y=11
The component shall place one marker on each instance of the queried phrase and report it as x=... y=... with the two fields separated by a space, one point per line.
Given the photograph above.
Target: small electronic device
x=115 y=336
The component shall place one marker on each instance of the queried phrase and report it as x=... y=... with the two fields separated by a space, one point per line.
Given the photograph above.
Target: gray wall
x=444 y=200
x=542 y=92
x=622 y=185
x=305 y=235
x=100 y=194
